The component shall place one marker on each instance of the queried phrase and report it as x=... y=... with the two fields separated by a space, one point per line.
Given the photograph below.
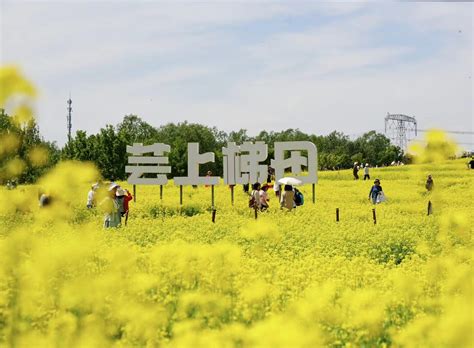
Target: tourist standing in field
x=264 y=198
x=123 y=199
x=276 y=188
x=128 y=197
x=246 y=187
x=91 y=200
x=111 y=206
x=44 y=200
x=366 y=172
x=287 y=199
x=254 y=201
x=120 y=197
x=429 y=183
x=470 y=164
x=270 y=174
x=208 y=175
x=355 y=171
x=376 y=192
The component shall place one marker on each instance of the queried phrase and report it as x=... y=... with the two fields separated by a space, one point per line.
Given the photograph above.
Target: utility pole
x=69 y=118
x=400 y=129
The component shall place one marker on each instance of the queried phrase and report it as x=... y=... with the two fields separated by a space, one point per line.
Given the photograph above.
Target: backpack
x=299 y=198
x=252 y=201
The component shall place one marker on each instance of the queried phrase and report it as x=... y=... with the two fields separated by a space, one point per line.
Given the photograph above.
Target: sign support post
x=212 y=196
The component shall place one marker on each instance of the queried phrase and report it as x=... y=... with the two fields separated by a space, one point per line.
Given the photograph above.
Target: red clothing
x=127 y=199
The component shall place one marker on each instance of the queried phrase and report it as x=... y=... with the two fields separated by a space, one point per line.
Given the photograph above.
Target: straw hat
x=112 y=186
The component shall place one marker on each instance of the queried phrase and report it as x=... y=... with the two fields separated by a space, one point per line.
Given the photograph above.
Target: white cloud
x=255 y=66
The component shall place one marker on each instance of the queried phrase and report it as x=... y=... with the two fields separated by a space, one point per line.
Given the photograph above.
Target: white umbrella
x=290 y=181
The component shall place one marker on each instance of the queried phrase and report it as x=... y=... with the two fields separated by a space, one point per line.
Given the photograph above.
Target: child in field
x=376 y=193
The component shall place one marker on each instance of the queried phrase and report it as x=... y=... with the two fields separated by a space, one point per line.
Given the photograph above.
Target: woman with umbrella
x=287 y=199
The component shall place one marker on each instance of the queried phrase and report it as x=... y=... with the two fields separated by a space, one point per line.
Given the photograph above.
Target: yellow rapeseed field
x=299 y=279
x=172 y=277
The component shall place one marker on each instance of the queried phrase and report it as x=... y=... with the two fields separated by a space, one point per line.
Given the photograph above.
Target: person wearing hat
x=355 y=170
x=112 y=207
x=366 y=172
x=376 y=192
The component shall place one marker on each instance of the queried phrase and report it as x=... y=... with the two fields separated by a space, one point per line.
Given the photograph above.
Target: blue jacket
x=374 y=191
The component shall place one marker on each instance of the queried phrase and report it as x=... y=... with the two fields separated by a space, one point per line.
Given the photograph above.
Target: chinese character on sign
x=231 y=168
x=296 y=161
x=194 y=160
x=148 y=164
x=242 y=163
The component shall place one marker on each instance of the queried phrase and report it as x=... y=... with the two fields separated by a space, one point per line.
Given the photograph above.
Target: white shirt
x=263 y=197
x=90 y=197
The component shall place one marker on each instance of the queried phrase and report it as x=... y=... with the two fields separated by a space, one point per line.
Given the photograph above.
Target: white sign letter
x=296 y=161
x=136 y=171
x=194 y=160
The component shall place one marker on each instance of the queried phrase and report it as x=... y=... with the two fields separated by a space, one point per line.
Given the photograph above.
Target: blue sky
x=256 y=65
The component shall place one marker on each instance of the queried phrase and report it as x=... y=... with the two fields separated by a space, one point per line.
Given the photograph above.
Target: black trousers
x=366 y=177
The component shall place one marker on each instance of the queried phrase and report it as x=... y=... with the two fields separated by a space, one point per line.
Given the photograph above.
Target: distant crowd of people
x=289 y=199
x=357 y=167
x=116 y=202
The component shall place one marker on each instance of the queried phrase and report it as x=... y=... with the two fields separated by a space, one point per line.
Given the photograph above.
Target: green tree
x=134 y=130
x=376 y=149
x=28 y=137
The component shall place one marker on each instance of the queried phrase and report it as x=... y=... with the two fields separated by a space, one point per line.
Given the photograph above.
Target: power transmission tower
x=69 y=119
x=400 y=129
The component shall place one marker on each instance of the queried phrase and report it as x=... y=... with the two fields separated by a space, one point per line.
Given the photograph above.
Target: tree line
x=107 y=148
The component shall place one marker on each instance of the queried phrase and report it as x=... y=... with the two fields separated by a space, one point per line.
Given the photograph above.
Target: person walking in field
x=264 y=198
x=366 y=172
x=287 y=199
x=355 y=171
x=376 y=194
x=429 y=183
x=111 y=207
x=254 y=201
